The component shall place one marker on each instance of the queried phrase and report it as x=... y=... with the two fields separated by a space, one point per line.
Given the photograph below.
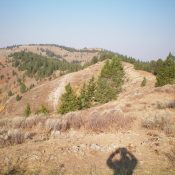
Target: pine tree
x=83 y=99
x=91 y=88
x=104 y=92
x=87 y=94
x=166 y=72
x=69 y=101
x=110 y=81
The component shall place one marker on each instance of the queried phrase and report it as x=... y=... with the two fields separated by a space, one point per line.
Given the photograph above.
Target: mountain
x=134 y=131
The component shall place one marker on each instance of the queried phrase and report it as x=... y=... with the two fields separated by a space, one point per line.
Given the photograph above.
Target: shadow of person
x=122 y=162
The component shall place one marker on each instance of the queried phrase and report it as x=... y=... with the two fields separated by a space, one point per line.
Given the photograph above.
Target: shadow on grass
x=122 y=162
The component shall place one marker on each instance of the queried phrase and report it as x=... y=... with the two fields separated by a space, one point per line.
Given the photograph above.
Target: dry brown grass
x=170 y=105
x=108 y=120
x=97 y=121
x=17 y=130
x=53 y=124
x=22 y=122
x=171 y=156
x=160 y=120
x=13 y=136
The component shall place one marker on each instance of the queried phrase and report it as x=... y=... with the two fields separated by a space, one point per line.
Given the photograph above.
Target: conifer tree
x=87 y=94
x=110 y=81
x=83 y=99
x=166 y=72
x=104 y=92
x=69 y=101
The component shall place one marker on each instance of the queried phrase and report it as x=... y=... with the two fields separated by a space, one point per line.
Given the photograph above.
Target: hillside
x=11 y=77
x=141 y=121
x=52 y=91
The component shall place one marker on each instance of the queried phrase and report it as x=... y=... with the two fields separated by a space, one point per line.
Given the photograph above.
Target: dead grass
x=96 y=121
x=13 y=136
x=108 y=120
x=17 y=130
x=33 y=121
x=160 y=120
x=53 y=124
x=170 y=105
x=171 y=156
x=22 y=122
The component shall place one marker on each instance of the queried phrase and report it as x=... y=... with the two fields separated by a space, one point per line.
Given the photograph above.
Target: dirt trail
x=55 y=95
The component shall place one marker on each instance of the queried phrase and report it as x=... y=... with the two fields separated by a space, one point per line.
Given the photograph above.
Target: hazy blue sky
x=140 y=28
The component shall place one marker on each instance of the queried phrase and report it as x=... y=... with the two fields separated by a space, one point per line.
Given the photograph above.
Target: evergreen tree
x=166 y=73
x=87 y=94
x=110 y=81
x=104 y=92
x=94 y=60
x=83 y=98
x=69 y=101
x=91 y=89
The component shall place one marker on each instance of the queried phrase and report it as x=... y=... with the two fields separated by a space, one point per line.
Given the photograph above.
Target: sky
x=144 y=29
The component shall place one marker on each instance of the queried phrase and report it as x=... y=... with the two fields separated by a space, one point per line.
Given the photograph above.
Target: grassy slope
x=59 y=151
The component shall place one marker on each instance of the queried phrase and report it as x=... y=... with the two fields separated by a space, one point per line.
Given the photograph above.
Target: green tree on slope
x=69 y=101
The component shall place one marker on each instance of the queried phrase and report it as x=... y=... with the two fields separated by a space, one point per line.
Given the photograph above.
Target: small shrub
x=2 y=77
x=144 y=82
x=23 y=88
x=13 y=73
x=161 y=121
x=171 y=156
x=43 y=110
x=33 y=121
x=108 y=120
x=53 y=124
x=15 y=136
x=18 y=98
x=27 y=111
x=10 y=93
x=165 y=105
x=31 y=86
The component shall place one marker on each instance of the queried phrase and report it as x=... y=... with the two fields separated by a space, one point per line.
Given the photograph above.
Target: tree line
x=39 y=66
x=164 y=70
